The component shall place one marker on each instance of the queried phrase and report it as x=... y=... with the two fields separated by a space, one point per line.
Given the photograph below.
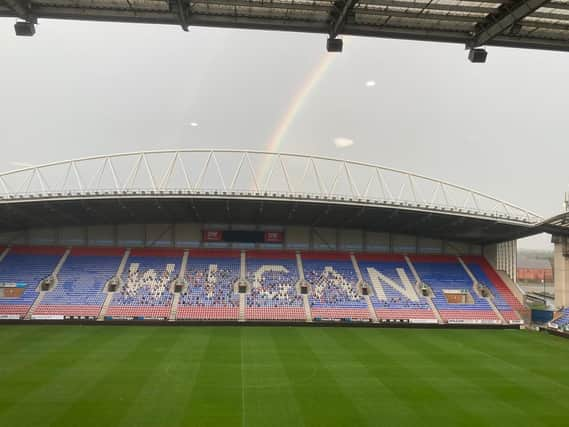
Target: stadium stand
x=210 y=295
x=147 y=280
x=28 y=265
x=505 y=301
x=273 y=276
x=209 y=285
x=79 y=291
x=445 y=273
x=391 y=280
x=563 y=321
x=333 y=282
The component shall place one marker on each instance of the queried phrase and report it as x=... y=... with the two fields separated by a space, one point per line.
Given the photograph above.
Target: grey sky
x=78 y=89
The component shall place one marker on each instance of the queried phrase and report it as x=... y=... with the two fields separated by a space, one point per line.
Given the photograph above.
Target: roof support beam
x=508 y=16
x=182 y=10
x=338 y=24
x=22 y=8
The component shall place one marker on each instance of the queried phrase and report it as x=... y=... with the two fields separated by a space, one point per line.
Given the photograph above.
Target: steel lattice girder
x=252 y=175
x=538 y=24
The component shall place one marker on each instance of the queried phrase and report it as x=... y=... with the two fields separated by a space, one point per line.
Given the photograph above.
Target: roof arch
x=252 y=175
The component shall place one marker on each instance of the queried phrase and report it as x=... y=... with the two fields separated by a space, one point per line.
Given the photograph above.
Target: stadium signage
x=243 y=236
x=12 y=285
x=473 y=321
x=212 y=235
x=274 y=236
x=424 y=321
x=47 y=317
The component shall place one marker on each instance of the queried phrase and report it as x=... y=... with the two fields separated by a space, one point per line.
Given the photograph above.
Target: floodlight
x=25 y=29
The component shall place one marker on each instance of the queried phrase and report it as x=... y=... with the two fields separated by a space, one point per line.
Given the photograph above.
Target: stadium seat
x=273 y=276
x=211 y=276
x=210 y=295
x=446 y=273
x=27 y=265
x=391 y=299
x=333 y=281
x=81 y=281
x=504 y=300
x=147 y=280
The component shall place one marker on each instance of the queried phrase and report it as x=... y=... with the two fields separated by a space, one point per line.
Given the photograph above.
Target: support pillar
x=561 y=270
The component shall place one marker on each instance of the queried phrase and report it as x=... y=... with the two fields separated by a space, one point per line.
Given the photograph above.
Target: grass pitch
x=278 y=376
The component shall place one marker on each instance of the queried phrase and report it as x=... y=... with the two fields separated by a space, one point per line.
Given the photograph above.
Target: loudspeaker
x=26 y=29
x=334 y=45
x=477 y=55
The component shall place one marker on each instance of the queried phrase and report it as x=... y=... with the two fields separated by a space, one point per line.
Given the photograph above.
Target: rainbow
x=294 y=107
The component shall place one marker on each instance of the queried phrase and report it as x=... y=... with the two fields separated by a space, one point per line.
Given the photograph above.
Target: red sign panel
x=274 y=236
x=212 y=235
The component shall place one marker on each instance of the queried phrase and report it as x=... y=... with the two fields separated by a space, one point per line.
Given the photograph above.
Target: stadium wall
x=189 y=235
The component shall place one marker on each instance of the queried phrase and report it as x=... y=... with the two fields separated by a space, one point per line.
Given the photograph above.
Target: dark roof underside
x=40 y=214
x=527 y=23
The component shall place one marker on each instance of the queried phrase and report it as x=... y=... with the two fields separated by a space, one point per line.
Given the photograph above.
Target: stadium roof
x=247 y=186
x=539 y=24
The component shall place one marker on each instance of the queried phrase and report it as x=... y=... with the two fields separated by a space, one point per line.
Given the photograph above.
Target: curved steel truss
x=249 y=174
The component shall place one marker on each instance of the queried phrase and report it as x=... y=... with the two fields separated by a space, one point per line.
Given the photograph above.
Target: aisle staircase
x=418 y=284
x=243 y=269
x=122 y=265
x=109 y=297
x=242 y=301
x=307 y=311
x=476 y=286
x=59 y=265
x=105 y=306
x=360 y=285
x=371 y=308
x=174 y=307
x=52 y=277
x=33 y=307
x=495 y=310
x=4 y=253
x=179 y=280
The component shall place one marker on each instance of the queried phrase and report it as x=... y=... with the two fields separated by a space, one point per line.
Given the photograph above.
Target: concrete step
x=243 y=269
x=356 y=268
x=495 y=310
x=33 y=307
x=174 y=307
x=418 y=282
x=4 y=253
x=467 y=270
x=184 y=264
x=242 y=302
x=122 y=265
x=412 y=268
x=60 y=263
x=371 y=309
x=299 y=266
x=105 y=306
x=435 y=310
x=307 y=311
